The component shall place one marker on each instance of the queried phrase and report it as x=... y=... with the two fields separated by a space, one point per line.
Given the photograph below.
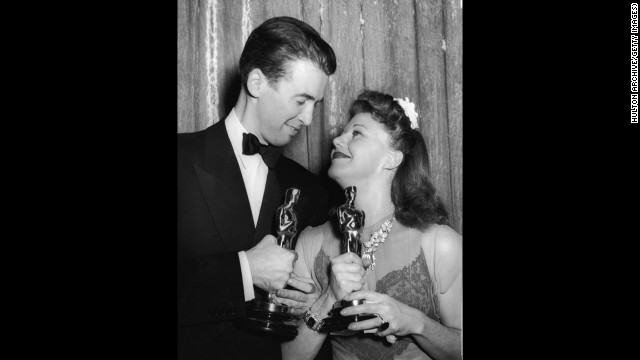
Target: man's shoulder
x=196 y=140
x=190 y=140
x=286 y=165
x=290 y=169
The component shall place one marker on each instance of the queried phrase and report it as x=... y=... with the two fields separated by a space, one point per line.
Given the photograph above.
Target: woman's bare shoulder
x=444 y=246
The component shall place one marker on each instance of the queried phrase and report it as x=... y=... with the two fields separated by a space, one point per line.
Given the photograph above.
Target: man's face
x=288 y=105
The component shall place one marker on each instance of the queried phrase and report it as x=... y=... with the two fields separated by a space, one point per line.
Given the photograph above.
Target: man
x=228 y=195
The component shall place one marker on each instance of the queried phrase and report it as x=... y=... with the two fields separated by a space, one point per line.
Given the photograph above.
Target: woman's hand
x=401 y=318
x=347 y=275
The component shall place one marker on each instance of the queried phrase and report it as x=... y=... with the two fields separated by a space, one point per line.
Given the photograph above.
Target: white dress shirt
x=254 y=173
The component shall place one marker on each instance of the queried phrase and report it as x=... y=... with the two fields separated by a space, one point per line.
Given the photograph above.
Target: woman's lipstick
x=338 y=155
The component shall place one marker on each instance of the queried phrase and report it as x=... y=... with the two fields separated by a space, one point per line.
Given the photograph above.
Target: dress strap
x=431 y=265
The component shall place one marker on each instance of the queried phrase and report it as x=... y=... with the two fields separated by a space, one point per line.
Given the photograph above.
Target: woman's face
x=360 y=151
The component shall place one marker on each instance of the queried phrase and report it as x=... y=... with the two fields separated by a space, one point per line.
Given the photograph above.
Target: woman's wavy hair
x=413 y=194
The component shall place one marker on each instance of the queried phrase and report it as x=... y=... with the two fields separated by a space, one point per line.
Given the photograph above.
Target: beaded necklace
x=376 y=238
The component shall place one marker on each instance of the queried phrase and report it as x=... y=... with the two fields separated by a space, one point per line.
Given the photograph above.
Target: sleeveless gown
x=402 y=271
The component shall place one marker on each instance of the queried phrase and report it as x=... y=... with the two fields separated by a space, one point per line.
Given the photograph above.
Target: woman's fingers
x=370 y=296
x=365 y=324
x=391 y=339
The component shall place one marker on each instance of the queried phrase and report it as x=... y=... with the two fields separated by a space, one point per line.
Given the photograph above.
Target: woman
x=413 y=276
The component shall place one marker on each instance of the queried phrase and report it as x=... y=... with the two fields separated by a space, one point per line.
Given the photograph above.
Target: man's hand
x=299 y=301
x=271 y=266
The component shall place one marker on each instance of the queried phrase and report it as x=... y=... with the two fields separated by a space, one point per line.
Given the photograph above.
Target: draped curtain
x=407 y=48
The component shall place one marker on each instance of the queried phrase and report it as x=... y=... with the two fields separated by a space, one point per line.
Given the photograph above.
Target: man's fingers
x=283 y=301
x=301 y=285
x=298 y=312
x=293 y=295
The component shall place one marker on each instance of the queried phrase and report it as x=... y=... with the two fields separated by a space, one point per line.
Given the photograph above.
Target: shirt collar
x=235 y=129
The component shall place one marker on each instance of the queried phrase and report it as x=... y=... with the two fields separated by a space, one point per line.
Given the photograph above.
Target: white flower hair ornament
x=409 y=110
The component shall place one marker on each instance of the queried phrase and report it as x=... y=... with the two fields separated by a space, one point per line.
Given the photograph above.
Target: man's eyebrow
x=309 y=97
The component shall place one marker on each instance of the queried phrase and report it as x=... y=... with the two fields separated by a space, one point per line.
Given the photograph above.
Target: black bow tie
x=251 y=145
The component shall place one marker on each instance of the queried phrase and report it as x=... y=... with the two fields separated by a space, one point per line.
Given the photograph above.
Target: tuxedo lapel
x=302 y=206
x=224 y=192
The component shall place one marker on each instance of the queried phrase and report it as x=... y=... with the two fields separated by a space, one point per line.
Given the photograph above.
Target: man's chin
x=282 y=140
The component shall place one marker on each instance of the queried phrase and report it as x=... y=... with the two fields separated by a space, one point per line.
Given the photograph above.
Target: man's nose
x=306 y=116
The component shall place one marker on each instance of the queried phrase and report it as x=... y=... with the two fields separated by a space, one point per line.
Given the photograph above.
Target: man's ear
x=255 y=82
x=394 y=159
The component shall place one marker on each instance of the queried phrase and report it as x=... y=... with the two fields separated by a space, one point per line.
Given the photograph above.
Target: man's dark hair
x=280 y=40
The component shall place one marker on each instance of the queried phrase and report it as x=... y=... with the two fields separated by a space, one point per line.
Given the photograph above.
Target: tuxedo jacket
x=214 y=224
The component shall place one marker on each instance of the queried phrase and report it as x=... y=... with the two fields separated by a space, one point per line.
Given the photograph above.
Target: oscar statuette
x=351 y=221
x=269 y=316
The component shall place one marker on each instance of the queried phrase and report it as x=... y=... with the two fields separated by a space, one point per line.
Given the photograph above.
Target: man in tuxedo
x=231 y=180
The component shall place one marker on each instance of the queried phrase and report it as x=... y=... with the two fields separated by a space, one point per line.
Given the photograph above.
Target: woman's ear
x=394 y=159
x=255 y=82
